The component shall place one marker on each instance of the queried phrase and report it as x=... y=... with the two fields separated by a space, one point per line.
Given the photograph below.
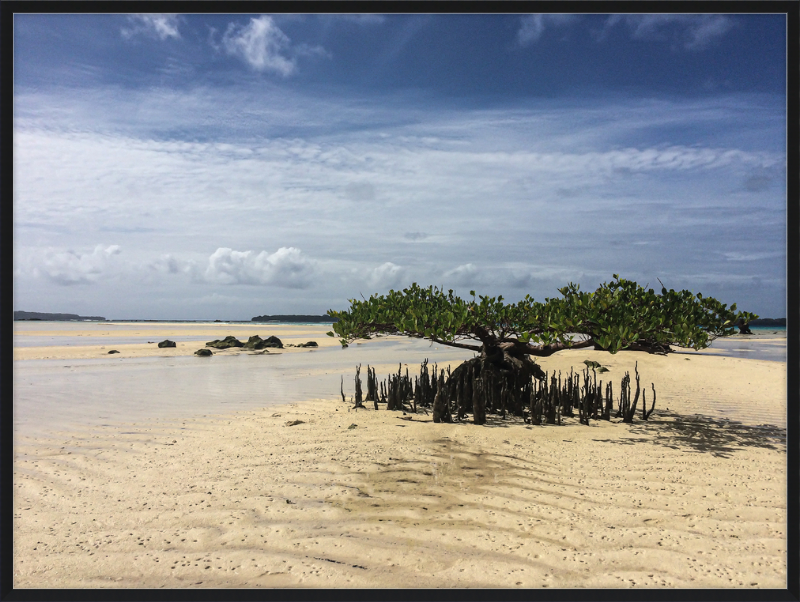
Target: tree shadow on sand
x=719 y=437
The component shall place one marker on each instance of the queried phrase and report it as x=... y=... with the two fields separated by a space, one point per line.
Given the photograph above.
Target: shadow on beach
x=703 y=434
x=719 y=437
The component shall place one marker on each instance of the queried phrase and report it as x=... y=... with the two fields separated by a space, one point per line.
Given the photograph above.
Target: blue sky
x=227 y=166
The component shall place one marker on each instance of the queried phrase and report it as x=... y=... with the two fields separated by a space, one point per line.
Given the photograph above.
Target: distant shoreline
x=768 y=322
x=294 y=318
x=32 y=316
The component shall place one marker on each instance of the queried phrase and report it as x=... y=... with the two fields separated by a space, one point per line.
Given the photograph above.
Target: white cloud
x=287 y=268
x=386 y=276
x=710 y=27
x=160 y=26
x=494 y=188
x=463 y=275
x=70 y=267
x=260 y=44
x=168 y=264
x=739 y=256
x=691 y=32
x=532 y=26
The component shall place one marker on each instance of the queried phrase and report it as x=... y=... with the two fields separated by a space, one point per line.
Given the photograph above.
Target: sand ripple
x=398 y=501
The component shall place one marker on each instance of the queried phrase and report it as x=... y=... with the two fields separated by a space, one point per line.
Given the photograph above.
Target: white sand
x=244 y=500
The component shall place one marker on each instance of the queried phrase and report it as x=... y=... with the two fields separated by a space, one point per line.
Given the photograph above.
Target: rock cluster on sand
x=254 y=342
x=203 y=352
x=167 y=343
x=226 y=343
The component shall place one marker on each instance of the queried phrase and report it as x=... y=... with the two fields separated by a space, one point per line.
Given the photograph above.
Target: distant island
x=768 y=322
x=295 y=318
x=35 y=315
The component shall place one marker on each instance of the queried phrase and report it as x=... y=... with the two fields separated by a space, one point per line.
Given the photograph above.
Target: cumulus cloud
x=70 y=267
x=287 y=268
x=691 y=32
x=90 y=159
x=168 y=264
x=532 y=26
x=159 y=26
x=464 y=275
x=260 y=44
x=387 y=275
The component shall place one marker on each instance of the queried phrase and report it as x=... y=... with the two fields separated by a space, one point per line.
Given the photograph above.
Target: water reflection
x=58 y=394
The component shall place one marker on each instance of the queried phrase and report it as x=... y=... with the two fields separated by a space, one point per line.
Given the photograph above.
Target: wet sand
x=208 y=497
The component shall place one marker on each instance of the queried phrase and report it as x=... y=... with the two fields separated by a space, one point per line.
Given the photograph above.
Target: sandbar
x=315 y=494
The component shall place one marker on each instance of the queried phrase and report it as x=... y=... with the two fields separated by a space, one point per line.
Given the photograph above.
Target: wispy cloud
x=532 y=26
x=158 y=26
x=504 y=201
x=261 y=44
x=739 y=256
x=687 y=32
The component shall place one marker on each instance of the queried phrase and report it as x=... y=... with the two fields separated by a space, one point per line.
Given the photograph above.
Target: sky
x=207 y=166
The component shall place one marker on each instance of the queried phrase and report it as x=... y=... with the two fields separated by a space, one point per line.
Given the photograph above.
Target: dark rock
x=227 y=342
x=255 y=342
x=167 y=343
x=309 y=344
x=113 y=351
x=203 y=352
x=273 y=341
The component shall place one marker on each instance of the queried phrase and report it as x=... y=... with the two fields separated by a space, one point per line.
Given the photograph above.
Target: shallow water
x=60 y=394
x=22 y=340
x=54 y=395
x=764 y=347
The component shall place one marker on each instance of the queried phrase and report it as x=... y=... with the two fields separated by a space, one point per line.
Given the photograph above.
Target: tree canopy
x=618 y=315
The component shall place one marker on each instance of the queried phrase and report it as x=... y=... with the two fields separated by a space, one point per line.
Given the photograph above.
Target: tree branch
x=544 y=350
x=454 y=344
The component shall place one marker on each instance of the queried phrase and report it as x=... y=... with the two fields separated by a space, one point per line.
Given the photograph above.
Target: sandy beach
x=297 y=489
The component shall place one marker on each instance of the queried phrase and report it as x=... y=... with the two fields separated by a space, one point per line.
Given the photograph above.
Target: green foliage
x=615 y=316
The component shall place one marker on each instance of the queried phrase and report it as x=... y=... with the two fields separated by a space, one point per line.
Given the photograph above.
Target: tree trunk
x=441 y=411
x=478 y=400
